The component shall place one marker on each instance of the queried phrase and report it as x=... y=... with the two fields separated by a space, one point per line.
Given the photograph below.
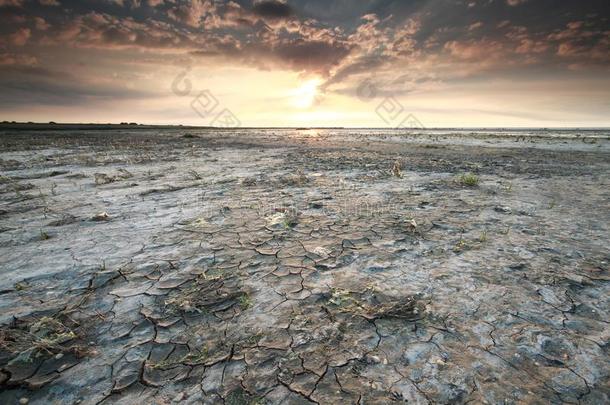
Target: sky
x=300 y=63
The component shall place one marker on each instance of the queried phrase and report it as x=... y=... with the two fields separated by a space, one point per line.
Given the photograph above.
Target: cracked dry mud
x=294 y=267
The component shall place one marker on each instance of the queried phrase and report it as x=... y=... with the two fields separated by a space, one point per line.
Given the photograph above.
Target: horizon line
x=133 y=125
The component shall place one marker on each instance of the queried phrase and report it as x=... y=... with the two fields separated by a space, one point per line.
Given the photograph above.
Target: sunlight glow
x=305 y=96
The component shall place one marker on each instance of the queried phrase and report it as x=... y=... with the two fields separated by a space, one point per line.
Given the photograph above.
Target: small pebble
x=59 y=356
x=24 y=401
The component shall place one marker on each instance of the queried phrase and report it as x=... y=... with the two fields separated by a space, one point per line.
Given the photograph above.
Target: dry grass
x=43 y=337
x=397 y=169
x=373 y=304
x=209 y=295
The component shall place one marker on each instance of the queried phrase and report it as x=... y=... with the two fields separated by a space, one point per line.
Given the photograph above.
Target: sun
x=305 y=95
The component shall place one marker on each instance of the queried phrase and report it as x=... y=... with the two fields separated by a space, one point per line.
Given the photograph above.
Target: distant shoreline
x=134 y=126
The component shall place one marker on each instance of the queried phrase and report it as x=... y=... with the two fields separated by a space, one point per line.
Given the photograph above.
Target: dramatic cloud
x=272 y=9
x=191 y=12
x=20 y=37
x=41 y=24
x=401 y=47
x=11 y=3
x=515 y=2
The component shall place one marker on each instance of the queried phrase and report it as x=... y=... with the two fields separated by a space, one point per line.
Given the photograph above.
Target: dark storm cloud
x=272 y=9
x=33 y=85
x=311 y=55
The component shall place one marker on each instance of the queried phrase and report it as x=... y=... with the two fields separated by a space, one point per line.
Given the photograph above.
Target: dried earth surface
x=297 y=267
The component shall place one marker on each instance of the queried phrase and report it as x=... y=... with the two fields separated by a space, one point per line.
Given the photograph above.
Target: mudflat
x=304 y=266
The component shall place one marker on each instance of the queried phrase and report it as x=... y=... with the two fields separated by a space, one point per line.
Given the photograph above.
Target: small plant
x=194 y=357
x=249 y=181
x=44 y=235
x=340 y=297
x=460 y=246
x=252 y=340
x=298 y=178
x=103 y=178
x=483 y=237
x=412 y=226
x=241 y=397
x=290 y=221
x=396 y=169
x=44 y=337
x=22 y=285
x=469 y=180
x=245 y=302
x=194 y=175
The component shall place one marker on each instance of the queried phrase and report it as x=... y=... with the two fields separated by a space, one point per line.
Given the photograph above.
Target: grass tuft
x=397 y=169
x=469 y=180
x=44 y=337
x=245 y=302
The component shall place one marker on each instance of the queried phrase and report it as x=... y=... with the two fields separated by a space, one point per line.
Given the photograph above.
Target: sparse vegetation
x=290 y=219
x=468 y=179
x=43 y=337
x=396 y=169
x=460 y=246
x=194 y=357
x=297 y=179
x=102 y=216
x=245 y=301
x=340 y=297
x=21 y=285
x=208 y=295
x=465 y=244
x=103 y=178
x=249 y=181
x=194 y=174
x=373 y=304
x=240 y=397
x=251 y=340
x=44 y=235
